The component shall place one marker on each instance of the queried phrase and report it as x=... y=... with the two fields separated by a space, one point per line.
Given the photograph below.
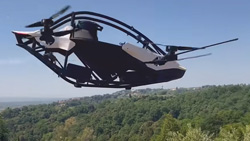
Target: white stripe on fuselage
x=145 y=55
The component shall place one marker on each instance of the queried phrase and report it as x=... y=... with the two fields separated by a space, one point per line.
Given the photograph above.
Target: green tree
x=170 y=126
x=171 y=131
x=65 y=132
x=246 y=133
x=231 y=132
x=87 y=135
x=195 y=134
x=3 y=130
x=234 y=132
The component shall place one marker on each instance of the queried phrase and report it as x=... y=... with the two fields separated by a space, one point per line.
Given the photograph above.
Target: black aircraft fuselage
x=103 y=64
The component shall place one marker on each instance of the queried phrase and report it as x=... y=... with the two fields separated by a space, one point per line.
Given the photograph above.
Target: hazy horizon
x=33 y=98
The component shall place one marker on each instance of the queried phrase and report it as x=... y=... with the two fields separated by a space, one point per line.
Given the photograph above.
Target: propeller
x=172 y=55
x=172 y=46
x=179 y=48
x=208 y=46
x=47 y=32
x=63 y=10
x=48 y=21
x=36 y=24
x=192 y=57
x=159 y=62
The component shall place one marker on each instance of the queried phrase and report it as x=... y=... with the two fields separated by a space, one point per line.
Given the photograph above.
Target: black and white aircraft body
x=103 y=64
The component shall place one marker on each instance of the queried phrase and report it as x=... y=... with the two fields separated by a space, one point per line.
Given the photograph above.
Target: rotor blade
x=156 y=44
x=36 y=24
x=194 y=57
x=219 y=43
x=60 y=12
x=183 y=47
x=208 y=46
x=178 y=47
x=163 y=61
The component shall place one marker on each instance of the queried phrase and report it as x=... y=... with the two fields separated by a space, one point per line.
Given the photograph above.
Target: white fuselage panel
x=145 y=55
x=62 y=42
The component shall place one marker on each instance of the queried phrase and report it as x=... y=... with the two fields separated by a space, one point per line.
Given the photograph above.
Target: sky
x=184 y=22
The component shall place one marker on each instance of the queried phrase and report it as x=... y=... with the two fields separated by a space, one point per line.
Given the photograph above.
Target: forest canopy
x=204 y=113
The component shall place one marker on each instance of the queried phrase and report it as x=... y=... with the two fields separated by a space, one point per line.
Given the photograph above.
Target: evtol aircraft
x=103 y=64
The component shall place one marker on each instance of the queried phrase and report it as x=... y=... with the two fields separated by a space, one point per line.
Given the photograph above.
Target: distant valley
x=15 y=102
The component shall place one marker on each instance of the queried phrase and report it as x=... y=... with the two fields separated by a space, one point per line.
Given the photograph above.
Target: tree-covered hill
x=210 y=113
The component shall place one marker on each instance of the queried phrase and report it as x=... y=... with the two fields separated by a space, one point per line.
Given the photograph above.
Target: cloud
x=13 y=61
